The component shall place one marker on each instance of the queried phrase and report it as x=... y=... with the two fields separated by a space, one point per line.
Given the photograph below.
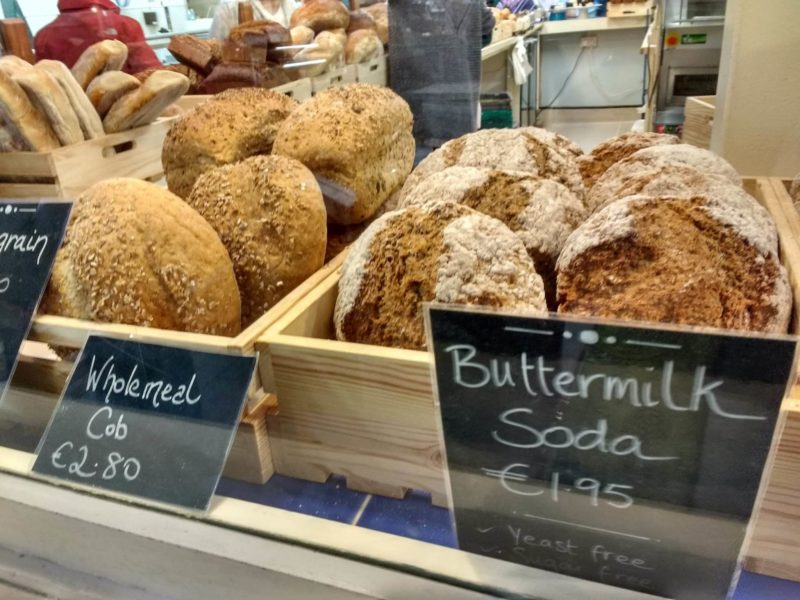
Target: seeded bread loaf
x=136 y=254
x=439 y=252
x=698 y=260
x=529 y=149
x=692 y=156
x=357 y=136
x=229 y=127
x=542 y=212
x=269 y=214
x=610 y=152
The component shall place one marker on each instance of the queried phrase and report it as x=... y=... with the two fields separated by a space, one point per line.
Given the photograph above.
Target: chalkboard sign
x=30 y=235
x=147 y=420
x=619 y=454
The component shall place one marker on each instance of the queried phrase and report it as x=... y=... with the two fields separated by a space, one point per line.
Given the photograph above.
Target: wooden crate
x=68 y=171
x=300 y=90
x=699 y=113
x=374 y=72
x=367 y=412
x=333 y=78
x=41 y=376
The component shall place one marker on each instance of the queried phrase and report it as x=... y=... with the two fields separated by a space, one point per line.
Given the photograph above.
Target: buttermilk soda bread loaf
x=529 y=149
x=136 y=254
x=608 y=153
x=692 y=156
x=702 y=260
x=229 y=127
x=542 y=212
x=441 y=252
x=358 y=137
x=269 y=214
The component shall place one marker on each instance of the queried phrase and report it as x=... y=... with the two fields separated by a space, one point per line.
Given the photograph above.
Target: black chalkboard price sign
x=146 y=420
x=30 y=235
x=620 y=454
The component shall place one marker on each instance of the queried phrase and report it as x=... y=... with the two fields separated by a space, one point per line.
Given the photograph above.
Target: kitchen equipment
x=158 y=17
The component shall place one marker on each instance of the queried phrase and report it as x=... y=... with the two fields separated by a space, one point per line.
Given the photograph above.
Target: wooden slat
x=27 y=164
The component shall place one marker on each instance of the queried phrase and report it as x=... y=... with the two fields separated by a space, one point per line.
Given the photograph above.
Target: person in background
x=86 y=22
x=226 y=17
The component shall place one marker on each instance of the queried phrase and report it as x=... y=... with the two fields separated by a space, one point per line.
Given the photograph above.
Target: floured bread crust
x=542 y=212
x=136 y=254
x=529 y=149
x=794 y=190
x=692 y=156
x=610 y=152
x=693 y=261
x=440 y=252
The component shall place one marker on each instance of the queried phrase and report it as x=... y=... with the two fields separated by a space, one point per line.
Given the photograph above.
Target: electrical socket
x=589 y=41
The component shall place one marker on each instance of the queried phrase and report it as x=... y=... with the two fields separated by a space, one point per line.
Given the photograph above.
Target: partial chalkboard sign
x=30 y=235
x=147 y=420
x=620 y=454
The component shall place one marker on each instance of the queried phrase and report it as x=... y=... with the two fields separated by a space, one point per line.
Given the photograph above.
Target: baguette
x=25 y=121
x=145 y=104
x=90 y=122
x=109 y=87
x=44 y=91
x=108 y=55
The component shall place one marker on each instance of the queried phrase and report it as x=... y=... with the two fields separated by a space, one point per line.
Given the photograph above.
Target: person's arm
x=487 y=25
x=226 y=17
x=140 y=55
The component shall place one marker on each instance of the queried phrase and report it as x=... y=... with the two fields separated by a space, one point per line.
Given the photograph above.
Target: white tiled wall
x=39 y=13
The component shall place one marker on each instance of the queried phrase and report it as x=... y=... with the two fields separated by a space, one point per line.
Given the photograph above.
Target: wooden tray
x=333 y=78
x=300 y=90
x=41 y=376
x=68 y=171
x=699 y=120
x=367 y=412
x=374 y=72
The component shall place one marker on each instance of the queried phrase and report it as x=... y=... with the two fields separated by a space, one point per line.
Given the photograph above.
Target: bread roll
x=136 y=254
x=44 y=91
x=269 y=213
x=91 y=125
x=109 y=87
x=143 y=105
x=302 y=35
x=25 y=121
x=693 y=261
x=440 y=252
x=357 y=136
x=227 y=128
x=363 y=46
x=692 y=156
x=380 y=12
x=618 y=148
x=108 y=55
x=321 y=15
x=529 y=149
x=543 y=213
x=361 y=19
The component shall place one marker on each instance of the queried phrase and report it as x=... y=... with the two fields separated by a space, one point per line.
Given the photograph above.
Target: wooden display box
x=41 y=376
x=699 y=121
x=333 y=78
x=367 y=412
x=300 y=90
x=68 y=171
x=374 y=71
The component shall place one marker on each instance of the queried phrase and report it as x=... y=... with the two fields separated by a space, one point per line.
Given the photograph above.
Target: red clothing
x=85 y=22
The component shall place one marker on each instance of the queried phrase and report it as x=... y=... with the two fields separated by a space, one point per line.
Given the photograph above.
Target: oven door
x=683 y=82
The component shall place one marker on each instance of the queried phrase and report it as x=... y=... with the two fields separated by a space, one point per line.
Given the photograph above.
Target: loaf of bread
x=44 y=91
x=698 y=260
x=362 y=46
x=653 y=177
x=146 y=103
x=91 y=125
x=439 y=252
x=380 y=12
x=613 y=150
x=543 y=213
x=109 y=87
x=229 y=127
x=226 y=76
x=26 y=122
x=136 y=254
x=357 y=136
x=361 y=19
x=342 y=236
x=200 y=55
x=11 y=143
x=326 y=52
x=302 y=35
x=692 y=156
x=321 y=15
x=13 y=65
x=195 y=78
x=108 y=55
x=529 y=149
x=272 y=36
x=269 y=214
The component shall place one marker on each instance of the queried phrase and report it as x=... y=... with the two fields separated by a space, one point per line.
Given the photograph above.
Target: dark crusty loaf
x=229 y=127
x=441 y=252
x=700 y=260
x=358 y=136
x=269 y=214
x=610 y=152
x=542 y=212
x=136 y=254
x=529 y=149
